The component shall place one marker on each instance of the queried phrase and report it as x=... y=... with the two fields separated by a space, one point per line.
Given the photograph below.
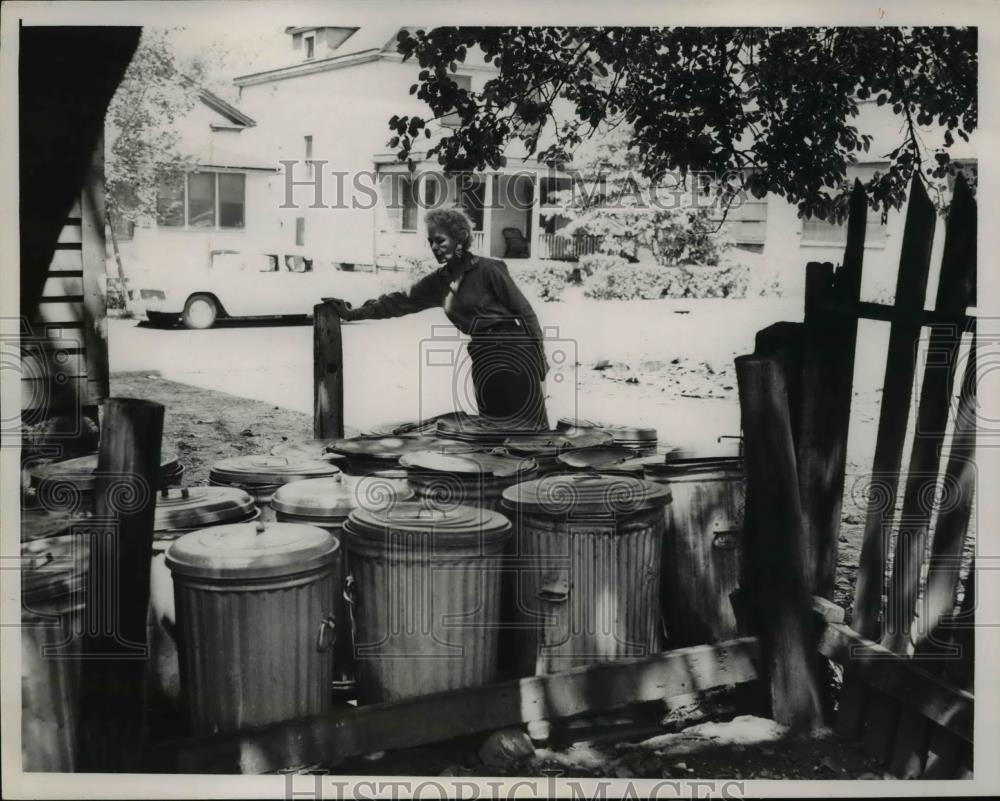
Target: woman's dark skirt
x=508 y=374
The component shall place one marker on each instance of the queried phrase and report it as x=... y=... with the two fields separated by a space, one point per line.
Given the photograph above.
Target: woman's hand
x=342 y=307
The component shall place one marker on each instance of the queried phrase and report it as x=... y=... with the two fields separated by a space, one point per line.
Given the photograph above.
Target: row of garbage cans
x=290 y=582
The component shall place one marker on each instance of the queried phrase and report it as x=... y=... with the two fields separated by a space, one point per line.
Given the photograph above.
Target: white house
x=223 y=202
x=345 y=196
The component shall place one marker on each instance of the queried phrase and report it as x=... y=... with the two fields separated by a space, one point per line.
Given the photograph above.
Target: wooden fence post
x=328 y=373
x=773 y=550
x=114 y=646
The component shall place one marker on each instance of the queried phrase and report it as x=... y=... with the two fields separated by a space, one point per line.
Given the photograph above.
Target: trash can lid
x=551 y=443
x=621 y=433
x=574 y=494
x=603 y=456
x=262 y=469
x=693 y=467
x=469 y=463
x=335 y=496
x=308 y=449
x=195 y=507
x=53 y=567
x=470 y=428
x=390 y=448
x=454 y=527
x=252 y=550
x=79 y=471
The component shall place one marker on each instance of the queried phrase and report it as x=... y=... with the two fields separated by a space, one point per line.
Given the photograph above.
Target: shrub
x=546 y=279
x=634 y=281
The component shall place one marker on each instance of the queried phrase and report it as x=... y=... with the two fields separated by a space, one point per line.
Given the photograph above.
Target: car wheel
x=161 y=320
x=200 y=312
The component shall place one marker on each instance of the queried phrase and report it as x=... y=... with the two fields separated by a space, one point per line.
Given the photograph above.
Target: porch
x=513 y=212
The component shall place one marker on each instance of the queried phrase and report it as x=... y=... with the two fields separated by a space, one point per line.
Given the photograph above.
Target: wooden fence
x=908 y=653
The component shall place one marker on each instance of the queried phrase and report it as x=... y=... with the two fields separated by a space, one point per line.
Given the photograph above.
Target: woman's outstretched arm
x=424 y=294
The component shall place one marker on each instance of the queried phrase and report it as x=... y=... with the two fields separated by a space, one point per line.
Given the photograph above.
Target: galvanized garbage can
x=545 y=447
x=425 y=598
x=179 y=512
x=54 y=571
x=454 y=474
x=702 y=552
x=260 y=475
x=68 y=485
x=640 y=439
x=368 y=454
x=255 y=622
x=326 y=502
x=586 y=559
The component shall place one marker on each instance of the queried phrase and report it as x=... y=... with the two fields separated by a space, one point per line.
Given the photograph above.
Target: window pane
x=232 y=191
x=170 y=203
x=201 y=200
x=409 y=222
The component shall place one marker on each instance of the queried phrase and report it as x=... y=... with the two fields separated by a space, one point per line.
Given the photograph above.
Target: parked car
x=243 y=284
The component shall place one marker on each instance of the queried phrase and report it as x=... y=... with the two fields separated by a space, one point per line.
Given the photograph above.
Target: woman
x=481 y=299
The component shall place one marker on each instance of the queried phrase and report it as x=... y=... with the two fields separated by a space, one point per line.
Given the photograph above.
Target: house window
x=408 y=221
x=300 y=231
x=824 y=232
x=464 y=82
x=307 y=142
x=202 y=200
x=232 y=191
x=746 y=222
x=310 y=43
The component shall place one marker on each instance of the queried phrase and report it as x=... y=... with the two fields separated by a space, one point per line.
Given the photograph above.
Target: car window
x=298 y=264
x=269 y=264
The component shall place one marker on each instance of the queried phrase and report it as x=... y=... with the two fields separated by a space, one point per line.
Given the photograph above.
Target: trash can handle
x=726 y=539
x=327 y=634
x=554 y=591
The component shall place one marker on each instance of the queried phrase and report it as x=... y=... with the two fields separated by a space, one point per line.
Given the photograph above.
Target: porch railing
x=555 y=246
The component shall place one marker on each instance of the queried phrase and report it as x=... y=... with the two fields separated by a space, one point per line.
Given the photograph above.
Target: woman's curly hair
x=454 y=222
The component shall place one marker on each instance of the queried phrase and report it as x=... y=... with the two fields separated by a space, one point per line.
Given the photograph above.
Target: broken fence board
x=911 y=289
x=937 y=700
x=443 y=716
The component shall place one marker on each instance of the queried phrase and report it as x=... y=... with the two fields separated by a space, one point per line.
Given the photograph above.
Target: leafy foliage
x=766 y=110
x=141 y=134
x=623 y=281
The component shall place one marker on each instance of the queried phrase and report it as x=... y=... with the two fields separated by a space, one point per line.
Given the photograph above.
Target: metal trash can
x=545 y=447
x=260 y=475
x=641 y=440
x=702 y=552
x=425 y=598
x=368 y=454
x=54 y=571
x=587 y=550
x=327 y=502
x=453 y=474
x=179 y=512
x=68 y=484
x=255 y=622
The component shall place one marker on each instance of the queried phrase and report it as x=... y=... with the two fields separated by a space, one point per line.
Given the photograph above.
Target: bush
x=547 y=279
x=115 y=294
x=622 y=281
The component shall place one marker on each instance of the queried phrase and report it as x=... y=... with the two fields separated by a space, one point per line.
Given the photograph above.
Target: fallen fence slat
x=898 y=677
x=911 y=288
x=433 y=718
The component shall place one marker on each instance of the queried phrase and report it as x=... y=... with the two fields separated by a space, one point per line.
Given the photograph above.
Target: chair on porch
x=517 y=245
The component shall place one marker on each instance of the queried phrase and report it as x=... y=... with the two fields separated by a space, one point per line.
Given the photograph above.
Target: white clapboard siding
x=70 y=235
x=67 y=261
x=59 y=285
